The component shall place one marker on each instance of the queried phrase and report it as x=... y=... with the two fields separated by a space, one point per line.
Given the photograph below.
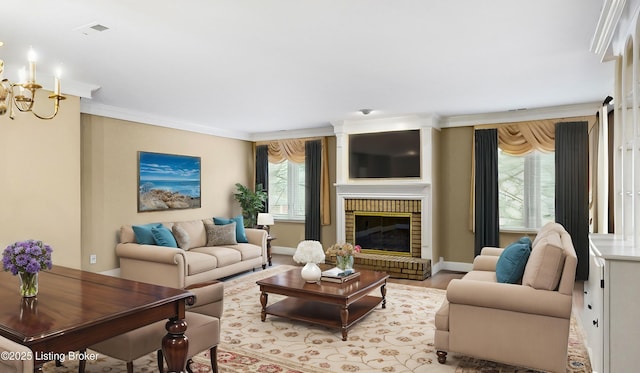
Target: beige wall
x=290 y=234
x=436 y=203
x=456 y=239
x=40 y=171
x=109 y=179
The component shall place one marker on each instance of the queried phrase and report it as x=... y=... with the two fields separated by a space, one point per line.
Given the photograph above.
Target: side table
x=269 y=239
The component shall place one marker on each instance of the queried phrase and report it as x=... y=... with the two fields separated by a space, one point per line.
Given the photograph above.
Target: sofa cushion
x=248 y=250
x=195 y=230
x=143 y=233
x=544 y=267
x=241 y=235
x=224 y=255
x=220 y=235
x=163 y=237
x=181 y=236
x=510 y=265
x=199 y=262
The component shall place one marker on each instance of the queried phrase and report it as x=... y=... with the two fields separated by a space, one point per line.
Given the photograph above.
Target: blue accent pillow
x=163 y=236
x=241 y=235
x=510 y=266
x=143 y=233
x=525 y=240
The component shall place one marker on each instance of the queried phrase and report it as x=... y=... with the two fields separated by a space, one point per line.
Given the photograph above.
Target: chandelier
x=22 y=95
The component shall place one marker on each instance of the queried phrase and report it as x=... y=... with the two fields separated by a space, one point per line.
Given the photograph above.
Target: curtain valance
x=521 y=138
x=525 y=137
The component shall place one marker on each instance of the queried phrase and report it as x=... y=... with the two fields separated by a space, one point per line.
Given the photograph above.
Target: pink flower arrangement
x=344 y=249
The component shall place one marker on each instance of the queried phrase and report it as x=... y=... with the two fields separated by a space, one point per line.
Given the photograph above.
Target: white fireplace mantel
x=383 y=189
x=403 y=189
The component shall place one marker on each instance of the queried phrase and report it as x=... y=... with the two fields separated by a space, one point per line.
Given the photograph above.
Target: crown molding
x=616 y=25
x=88 y=107
x=293 y=134
x=565 y=111
x=606 y=27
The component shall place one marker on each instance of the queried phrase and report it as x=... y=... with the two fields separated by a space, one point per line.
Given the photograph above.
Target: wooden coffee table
x=337 y=306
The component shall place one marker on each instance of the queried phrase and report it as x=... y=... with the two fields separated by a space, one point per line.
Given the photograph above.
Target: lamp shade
x=265 y=219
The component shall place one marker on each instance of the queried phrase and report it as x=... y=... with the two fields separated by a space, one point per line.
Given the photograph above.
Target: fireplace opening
x=383 y=233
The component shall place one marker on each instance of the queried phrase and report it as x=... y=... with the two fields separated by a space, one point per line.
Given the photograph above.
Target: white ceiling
x=245 y=67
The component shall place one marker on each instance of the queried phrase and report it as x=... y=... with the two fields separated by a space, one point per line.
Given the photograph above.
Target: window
x=287 y=190
x=526 y=190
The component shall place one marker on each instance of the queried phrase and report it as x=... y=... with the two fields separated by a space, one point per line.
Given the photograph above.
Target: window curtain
x=572 y=185
x=313 y=175
x=262 y=170
x=294 y=150
x=593 y=174
x=610 y=149
x=487 y=228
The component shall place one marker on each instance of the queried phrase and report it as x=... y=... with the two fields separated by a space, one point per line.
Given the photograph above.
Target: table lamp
x=265 y=220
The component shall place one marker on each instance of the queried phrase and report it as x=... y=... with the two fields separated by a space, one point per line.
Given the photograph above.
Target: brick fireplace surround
x=409 y=267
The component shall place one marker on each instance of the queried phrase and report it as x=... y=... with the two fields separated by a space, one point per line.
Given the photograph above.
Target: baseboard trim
x=443 y=265
x=112 y=272
x=283 y=250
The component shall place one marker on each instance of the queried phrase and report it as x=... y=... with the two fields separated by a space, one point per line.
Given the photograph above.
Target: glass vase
x=345 y=263
x=28 y=284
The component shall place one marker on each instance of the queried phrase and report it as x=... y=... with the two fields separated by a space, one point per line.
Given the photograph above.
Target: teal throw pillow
x=143 y=233
x=510 y=266
x=525 y=240
x=241 y=235
x=163 y=236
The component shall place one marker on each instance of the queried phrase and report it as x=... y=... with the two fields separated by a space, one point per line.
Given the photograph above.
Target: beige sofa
x=524 y=324
x=199 y=263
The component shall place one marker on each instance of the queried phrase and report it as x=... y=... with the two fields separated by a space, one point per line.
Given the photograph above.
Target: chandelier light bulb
x=31 y=56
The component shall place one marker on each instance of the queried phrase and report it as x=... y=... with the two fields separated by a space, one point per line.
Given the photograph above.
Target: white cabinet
x=593 y=310
x=612 y=304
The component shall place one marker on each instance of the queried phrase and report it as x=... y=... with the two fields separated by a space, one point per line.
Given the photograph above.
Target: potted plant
x=251 y=202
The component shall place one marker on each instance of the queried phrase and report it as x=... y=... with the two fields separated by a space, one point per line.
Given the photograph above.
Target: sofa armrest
x=149 y=253
x=485 y=263
x=159 y=265
x=258 y=237
x=209 y=298
x=511 y=297
x=491 y=251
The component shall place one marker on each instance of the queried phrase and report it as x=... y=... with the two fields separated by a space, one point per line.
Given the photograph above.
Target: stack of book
x=338 y=275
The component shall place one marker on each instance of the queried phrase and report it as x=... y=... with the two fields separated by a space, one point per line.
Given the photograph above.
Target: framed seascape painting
x=168 y=181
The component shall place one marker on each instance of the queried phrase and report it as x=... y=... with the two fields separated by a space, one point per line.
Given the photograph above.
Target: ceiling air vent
x=91 y=29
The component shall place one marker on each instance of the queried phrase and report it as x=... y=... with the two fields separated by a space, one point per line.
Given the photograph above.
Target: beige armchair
x=524 y=324
x=22 y=362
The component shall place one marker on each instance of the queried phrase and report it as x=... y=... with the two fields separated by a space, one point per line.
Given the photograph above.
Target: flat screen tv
x=393 y=154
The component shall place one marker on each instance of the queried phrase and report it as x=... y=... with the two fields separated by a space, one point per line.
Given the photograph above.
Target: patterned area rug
x=396 y=339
